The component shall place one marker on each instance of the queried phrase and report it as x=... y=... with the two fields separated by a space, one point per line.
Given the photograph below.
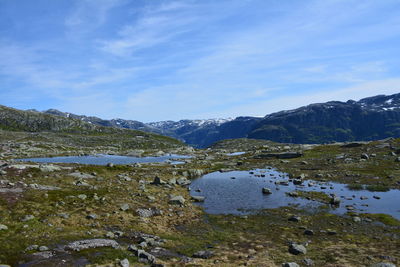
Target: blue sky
x=152 y=60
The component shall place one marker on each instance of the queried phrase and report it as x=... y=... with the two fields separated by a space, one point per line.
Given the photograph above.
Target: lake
x=240 y=192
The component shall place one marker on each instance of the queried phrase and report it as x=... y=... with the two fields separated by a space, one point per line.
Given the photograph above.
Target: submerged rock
x=266 y=191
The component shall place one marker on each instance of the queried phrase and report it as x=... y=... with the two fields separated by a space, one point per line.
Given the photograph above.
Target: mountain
x=198 y=133
x=370 y=118
x=70 y=129
x=118 y=123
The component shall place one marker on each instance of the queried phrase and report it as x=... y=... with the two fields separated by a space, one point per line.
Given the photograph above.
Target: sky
x=154 y=60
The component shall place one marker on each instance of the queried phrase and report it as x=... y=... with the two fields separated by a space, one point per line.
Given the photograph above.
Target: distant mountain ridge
x=370 y=118
x=14 y=120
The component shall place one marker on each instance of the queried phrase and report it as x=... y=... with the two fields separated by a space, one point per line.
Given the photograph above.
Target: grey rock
x=266 y=191
x=28 y=218
x=82 y=196
x=43 y=248
x=198 y=198
x=125 y=207
x=364 y=156
x=91 y=243
x=203 y=254
x=335 y=200
x=157 y=181
x=81 y=175
x=32 y=247
x=145 y=256
x=177 y=200
x=183 y=181
x=290 y=264
x=91 y=216
x=308 y=262
x=297 y=249
x=3 y=227
x=124 y=263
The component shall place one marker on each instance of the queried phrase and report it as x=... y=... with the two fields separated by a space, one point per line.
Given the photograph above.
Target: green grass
x=384 y=218
x=355 y=187
x=377 y=188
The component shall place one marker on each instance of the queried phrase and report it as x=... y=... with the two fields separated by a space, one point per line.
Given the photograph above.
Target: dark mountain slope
x=368 y=119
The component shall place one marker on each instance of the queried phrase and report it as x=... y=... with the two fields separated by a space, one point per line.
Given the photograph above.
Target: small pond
x=105 y=159
x=240 y=192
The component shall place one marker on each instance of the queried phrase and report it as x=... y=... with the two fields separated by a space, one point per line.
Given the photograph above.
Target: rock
x=294 y=219
x=293 y=194
x=32 y=247
x=82 y=196
x=3 y=227
x=297 y=249
x=383 y=264
x=49 y=168
x=356 y=219
x=124 y=263
x=397 y=159
x=203 y=254
x=110 y=165
x=124 y=207
x=91 y=216
x=297 y=181
x=335 y=200
x=183 y=181
x=364 y=156
x=198 y=198
x=308 y=232
x=290 y=264
x=43 y=248
x=110 y=235
x=376 y=197
x=266 y=191
x=145 y=257
x=146 y=213
x=157 y=181
x=91 y=243
x=133 y=248
x=177 y=200
x=308 y=262
x=81 y=175
x=28 y=218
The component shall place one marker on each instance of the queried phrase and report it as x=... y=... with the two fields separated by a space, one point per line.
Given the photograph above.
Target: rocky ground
x=143 y=215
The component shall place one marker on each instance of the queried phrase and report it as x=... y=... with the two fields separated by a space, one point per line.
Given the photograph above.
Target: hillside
x=37 y=126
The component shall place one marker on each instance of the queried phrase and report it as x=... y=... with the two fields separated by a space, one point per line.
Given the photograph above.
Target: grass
x=377 y=188
x=355 y=187
x=383 y=218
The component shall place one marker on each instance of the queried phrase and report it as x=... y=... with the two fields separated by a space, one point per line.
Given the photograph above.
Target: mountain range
x=370 y=118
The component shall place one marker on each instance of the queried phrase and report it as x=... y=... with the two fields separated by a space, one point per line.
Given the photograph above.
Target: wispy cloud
x=155 y=60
